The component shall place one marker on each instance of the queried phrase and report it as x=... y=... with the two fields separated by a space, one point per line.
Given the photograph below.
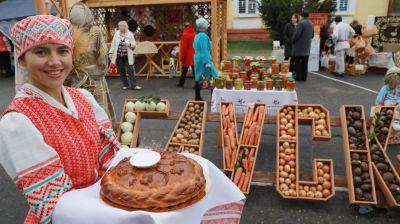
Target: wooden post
x=214 y=32
x=40 y=7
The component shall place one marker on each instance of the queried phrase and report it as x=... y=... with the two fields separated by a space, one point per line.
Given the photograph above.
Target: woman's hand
x=208 y=65
x=110 y=55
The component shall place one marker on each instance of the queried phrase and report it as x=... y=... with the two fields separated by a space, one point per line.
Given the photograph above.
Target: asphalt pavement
x=264 y=204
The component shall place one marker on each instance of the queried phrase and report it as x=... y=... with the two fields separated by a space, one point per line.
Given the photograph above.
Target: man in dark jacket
x=288 y=32
x=301 y=40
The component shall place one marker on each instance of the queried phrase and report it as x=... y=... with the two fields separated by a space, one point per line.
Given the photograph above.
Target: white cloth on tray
x=274 y=100
x=85 y=205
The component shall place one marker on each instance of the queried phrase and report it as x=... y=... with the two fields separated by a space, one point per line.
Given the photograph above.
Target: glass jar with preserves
x=247 y=85
x=243 y=75
x=229 y=84
x=260 y=85
x=275 y=69
x=278 y=85
x=254 y=80
x=285 y=67
x=227 y=65
x=220 y=83
x=269 y=84
x=238 y=84
x=290 y=85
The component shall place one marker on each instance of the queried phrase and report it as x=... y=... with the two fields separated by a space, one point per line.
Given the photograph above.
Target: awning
x=13 y=10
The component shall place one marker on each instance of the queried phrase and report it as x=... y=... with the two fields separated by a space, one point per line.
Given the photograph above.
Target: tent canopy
x=118 y=3
x=18 y=9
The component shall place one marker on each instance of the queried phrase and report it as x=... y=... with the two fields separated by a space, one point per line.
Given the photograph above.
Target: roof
x=17 y=9
x=117 y=3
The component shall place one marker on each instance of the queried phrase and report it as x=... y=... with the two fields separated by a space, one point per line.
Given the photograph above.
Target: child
x=389 y=95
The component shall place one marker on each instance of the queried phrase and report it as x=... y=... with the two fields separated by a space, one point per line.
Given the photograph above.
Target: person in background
x=53 y=138
x=301 y=40
x=288 y=32
x=91 y=67
x=5 y=60
x=351 y=52
x=202 y=57
x=186 y=52
x=341 y=35
x=121 y=53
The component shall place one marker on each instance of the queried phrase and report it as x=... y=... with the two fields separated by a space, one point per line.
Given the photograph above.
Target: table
x=381 y=60
x=241 y=98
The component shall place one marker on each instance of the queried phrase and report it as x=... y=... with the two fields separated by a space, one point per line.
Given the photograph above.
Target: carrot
x=251 y=153
x=245 y=182
x=255 y=139
x=232 y=126
x=230 y=108
x=261 y=114
x=242 y=176
x=226 y=111
x=252 y=130
x=251 y=162
x=233 y=159
x=238 y=174
x=245 y=133
x=232 y=138
x=227 y=141
x=251 y=139
x=247 y=118
x=255 y=116
x=228 y=123
x=227 y=158
x=223 y=109
x=245 y=165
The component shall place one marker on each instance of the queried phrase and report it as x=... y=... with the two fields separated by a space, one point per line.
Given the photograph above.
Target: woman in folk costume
x=202 y=58
x=389 y=95
x=53 y=138
x=91 y=65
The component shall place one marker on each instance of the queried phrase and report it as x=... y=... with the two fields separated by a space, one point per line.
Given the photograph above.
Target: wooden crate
x=312 y=121
x=203 y=123
x=347 y=157
x=328 y=162
x=385 y=144
x=222 y=128
x=151 y=114
x=255 y=147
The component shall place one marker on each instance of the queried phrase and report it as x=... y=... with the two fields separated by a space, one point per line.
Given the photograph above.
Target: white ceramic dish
x=145 y=159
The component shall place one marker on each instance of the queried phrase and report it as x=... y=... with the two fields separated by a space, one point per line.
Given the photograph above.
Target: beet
x=357 y=180
x=356 y=115
x=382 y=167
x=388 y=177
x=358 y=125
x=365 y=175
x=366 y=187
x=357 y=171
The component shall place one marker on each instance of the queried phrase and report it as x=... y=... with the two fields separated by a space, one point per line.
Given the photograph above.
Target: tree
x=276 y=13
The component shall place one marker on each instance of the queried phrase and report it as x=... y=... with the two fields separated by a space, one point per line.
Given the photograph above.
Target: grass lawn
x=251 y=47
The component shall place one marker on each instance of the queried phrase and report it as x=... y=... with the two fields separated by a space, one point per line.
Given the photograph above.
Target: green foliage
x=276 y=13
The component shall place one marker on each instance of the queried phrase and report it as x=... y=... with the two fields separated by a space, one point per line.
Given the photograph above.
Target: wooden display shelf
x=135 y=131
x=221 y=131
x=309 y=182
x=348 y=160
x=255 y=147
x=384 y=146
x=308 y=120
x=203 y=123
x=151 y=114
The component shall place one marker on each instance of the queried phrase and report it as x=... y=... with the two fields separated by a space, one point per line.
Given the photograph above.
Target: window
x=242 y=6
x=248 y=7
x=252 y=6
x=342 y=5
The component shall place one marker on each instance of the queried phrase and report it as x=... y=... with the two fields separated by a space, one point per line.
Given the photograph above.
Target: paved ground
x=264 y=205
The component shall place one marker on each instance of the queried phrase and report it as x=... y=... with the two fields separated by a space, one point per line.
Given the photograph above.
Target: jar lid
x=278 y=81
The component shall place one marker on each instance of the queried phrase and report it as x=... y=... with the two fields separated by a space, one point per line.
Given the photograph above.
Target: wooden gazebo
x=217 y=18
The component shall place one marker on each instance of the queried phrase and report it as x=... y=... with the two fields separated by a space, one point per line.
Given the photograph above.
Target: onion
x=318 y=194
x=281 y=180
x=310 y=194
x=126 y=127
x=288 y=181
x=326 y=193
x=326 y=169
x=288 y=151
x=313 y=189
x=129 y=106
x=285 y=145
x=320 y=172
x=126 y=138
x=286 y=168
x=139 y=106
x=130 y=117
x=319 y=187
x=326 y=185
x=160 y=106
x=320 y=165
x=327 y=176
x=302 y=193
x=284 y=121
x=283 y=187
x=284 y=174
x=291 y=132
